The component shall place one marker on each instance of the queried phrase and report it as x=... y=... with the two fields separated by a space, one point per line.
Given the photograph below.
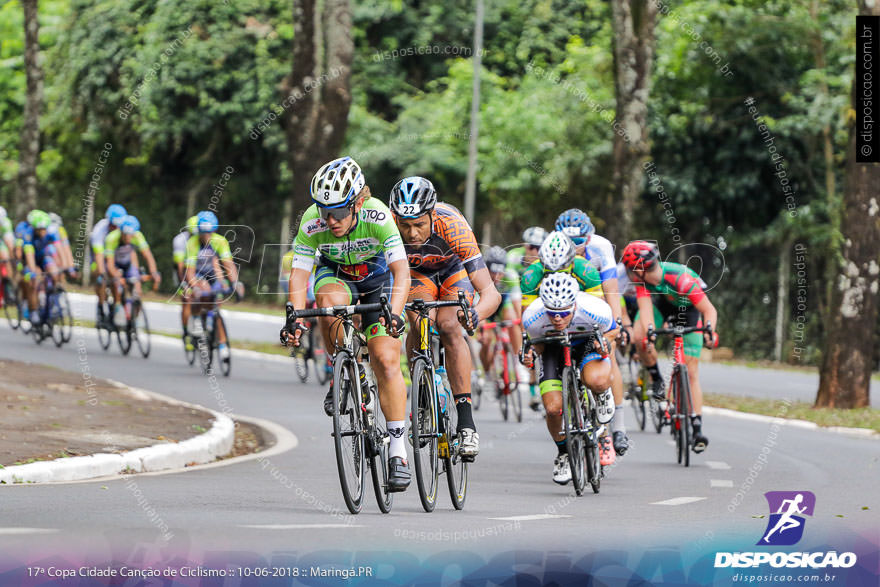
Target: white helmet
x=534 y=236
x=558 y=291
x=55 y=219
x=557 y=252
x=337 y=183
x=2 y=213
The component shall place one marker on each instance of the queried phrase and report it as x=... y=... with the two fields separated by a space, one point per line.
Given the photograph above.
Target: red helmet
x=640 y=255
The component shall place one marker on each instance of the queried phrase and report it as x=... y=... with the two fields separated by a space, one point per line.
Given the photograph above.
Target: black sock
x=654 y=370
x=465 y=415
x=561 y=446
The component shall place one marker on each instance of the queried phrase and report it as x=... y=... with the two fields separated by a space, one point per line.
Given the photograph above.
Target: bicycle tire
x=348 y=431
x=593 y=468
x=456 y=467
x=11 y=308
x=67 y=316
x=684 y=388
x=190 y=355
x=500 y=385
x=515 y=395
x=205 y=345
x=423 y=429
x=677 y=421
x=573 y=423
x=225 y=364
x=104 y=335
x=301 y=357
x=378 y=433
x=141 y=328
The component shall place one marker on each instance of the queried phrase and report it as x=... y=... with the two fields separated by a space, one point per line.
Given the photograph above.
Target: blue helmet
x=129 y=224
x=207 y=221
x=115 y=213
x=576 y=224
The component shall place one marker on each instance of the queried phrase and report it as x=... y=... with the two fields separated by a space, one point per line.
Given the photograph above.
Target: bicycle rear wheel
x=456 y=468
x=348 y=431
x=379 y=456
x=573 y=422
x=423 y=430
x=501 y=383
x=123 y=336
x=591 y=451
x=190 y=354
x=140 y=327
x=205 y=344
x=685 y=416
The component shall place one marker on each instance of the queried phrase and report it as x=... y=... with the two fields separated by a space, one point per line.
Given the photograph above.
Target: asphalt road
x=291 y=504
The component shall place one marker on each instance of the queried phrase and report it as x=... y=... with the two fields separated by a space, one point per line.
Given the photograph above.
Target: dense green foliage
x=546 y=132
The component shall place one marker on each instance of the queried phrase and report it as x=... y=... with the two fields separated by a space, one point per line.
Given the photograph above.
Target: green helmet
x=39 y=219
x=192 y=224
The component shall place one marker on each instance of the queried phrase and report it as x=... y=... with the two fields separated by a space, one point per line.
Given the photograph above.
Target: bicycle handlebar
x=682 y=330
x=422 y=307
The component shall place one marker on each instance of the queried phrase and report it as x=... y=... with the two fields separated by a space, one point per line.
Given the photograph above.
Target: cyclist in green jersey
x=361 y=250
x=669 y=292
x=557 y=253
x=121 y=248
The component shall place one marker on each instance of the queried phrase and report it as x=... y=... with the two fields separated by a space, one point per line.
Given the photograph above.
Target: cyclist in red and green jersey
x=669 y=292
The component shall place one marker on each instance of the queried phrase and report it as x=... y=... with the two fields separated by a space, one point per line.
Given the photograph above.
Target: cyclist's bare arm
x=151 y=264
x=31 y=261
x=230 y=269
x=710 y=314
x=400 y=289
x=297 y=286
x=490 y=299
x=646 y=312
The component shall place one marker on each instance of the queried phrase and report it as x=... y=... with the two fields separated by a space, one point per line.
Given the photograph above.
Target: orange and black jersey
x=451 y=241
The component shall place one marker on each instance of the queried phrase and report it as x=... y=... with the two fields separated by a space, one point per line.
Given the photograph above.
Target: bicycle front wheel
x=11 y=307
x=225 y=364
x=424 y=433
x=515 y=396
x=56 y=317
x=501 y=383
x=301 y=357
x=684 y=414
x=348 y=431
x=67 y=316
x=573 y=422
x=140 y=328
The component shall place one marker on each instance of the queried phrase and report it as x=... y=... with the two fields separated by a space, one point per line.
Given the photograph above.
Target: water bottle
x=442 y=387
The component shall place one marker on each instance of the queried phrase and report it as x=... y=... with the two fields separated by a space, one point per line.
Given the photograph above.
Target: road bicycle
x=638 y=391
x=9 y=297
x=433 y=413
x=580 y=417
x=679 y=397
x=128 y=318
x=503 y=371
x=56 y=319
x=360 y=436
x=311 y=351
x=478 y=376
x=204 y=332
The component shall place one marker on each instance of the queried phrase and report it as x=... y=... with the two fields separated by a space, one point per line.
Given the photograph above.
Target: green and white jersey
x=366 y=251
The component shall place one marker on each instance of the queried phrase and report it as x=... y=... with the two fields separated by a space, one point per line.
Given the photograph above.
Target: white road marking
x=720 y=465
x=670 y=442
x=678 y=501
x=13 y=531
x=297 y=526
x=532 y=517
x=720 y=483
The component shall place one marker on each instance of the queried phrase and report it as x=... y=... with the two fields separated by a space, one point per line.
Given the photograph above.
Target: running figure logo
x=786 y=526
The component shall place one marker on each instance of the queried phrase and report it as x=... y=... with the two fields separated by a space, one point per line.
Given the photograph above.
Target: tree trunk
x=783 y=272
x=633 y=22
x=317 y=93
x=29 y=153
x=845 y=378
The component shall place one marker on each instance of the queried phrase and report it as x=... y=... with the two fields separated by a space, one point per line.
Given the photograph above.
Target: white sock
x=397 y=430
x=618 y=423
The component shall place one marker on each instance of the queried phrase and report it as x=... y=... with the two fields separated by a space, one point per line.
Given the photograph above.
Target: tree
x=845 y=377
x=317 y=93
x=633 y=22
x=29 y=153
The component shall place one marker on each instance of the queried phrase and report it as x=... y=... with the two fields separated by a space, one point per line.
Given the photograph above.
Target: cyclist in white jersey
x=111 y=221
x=563 y=307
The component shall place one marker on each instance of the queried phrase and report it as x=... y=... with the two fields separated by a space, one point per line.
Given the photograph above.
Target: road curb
x=204 y=448
x=856 y=432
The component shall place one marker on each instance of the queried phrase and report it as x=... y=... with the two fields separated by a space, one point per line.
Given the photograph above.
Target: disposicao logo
x=786 y=528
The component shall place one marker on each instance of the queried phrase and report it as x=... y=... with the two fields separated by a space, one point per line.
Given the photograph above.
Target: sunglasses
x=559 y=313
x=337 y=213
x=579 y=240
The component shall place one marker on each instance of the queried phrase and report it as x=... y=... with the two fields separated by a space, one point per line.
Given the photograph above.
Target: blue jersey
x=41 y=246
